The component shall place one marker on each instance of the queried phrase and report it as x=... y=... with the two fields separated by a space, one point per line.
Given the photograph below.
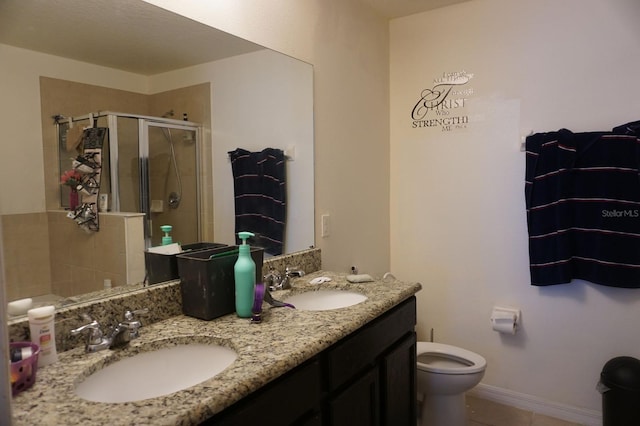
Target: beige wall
x=348 y=46
x=458 y=212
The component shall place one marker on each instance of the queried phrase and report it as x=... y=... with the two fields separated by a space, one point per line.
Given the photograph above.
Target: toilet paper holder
x=504 y=314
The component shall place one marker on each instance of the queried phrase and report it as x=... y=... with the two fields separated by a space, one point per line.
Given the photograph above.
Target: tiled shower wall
x=80 y=262
x=25 y=238
x=48 y=254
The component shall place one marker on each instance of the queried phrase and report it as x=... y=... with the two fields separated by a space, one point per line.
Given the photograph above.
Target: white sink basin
x=324 y=300
x=156 y=373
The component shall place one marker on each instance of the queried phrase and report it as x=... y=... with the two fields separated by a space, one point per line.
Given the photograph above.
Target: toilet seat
x=447 y=359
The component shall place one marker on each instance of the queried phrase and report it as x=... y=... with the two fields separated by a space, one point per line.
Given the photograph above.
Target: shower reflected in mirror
x=149 y=162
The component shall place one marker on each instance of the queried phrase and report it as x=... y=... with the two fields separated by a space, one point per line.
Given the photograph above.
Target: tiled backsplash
x=163 y=301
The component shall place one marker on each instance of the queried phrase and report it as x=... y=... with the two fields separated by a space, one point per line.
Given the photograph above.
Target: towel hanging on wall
x=582 y=194
x=259 y=182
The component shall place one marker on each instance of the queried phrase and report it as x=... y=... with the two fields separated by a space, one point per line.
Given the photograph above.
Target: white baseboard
x=537 y=405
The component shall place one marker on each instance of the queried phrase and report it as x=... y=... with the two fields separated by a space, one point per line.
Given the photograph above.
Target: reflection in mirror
x=151 y=164
x=132 y=57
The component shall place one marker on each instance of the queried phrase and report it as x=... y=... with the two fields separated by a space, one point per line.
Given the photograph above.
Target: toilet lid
x=447 y=359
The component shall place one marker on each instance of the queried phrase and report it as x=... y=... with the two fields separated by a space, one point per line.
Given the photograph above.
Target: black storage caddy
x=164 y=267
x=207 y=285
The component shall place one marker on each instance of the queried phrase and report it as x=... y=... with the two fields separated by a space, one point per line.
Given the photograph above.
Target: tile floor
x=481 y=412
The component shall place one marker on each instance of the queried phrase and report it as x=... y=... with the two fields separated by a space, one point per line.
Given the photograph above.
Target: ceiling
x=136 y=36
x=128 y=35
x=399 y=8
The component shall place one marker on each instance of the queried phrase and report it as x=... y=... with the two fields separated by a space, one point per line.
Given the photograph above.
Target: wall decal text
x=443 y=105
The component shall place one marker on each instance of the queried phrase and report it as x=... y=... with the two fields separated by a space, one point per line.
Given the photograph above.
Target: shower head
x=168 y=114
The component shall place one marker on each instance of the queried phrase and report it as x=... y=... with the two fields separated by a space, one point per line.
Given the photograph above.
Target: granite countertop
x=285 y=338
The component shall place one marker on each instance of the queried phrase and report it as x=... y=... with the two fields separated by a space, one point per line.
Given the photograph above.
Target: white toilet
x=444 y=374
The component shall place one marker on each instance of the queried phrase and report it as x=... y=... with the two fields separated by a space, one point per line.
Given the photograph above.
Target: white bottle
x=43 y=333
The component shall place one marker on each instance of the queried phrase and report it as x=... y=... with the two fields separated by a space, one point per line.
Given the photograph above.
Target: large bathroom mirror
x=67 y=51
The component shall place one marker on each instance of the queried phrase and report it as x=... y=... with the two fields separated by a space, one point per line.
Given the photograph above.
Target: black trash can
x=620 y=388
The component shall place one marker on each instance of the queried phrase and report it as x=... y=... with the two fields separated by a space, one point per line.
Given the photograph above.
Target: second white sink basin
x=156 y=373
x=324 y=300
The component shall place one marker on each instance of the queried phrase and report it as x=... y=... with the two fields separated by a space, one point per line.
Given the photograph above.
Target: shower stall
x=150 y=165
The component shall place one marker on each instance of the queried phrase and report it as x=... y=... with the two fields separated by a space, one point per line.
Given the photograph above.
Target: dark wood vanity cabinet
x=368 y=378
x=398 y=372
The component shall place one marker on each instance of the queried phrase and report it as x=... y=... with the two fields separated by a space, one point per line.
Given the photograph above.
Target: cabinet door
x=290 y=400
x=313 y=419
x=398 y=383
x=358 y=404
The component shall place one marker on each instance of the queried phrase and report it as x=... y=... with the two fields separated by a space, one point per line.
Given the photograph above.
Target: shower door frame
x=143 y=154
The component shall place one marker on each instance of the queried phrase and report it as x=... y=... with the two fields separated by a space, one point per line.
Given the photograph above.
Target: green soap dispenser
x=244 y=272
x=166 y=239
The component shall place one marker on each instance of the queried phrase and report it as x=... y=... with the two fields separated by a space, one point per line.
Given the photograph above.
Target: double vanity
x=350 y=365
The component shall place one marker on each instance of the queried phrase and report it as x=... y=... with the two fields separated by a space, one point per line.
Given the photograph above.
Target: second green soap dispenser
x=244 y=272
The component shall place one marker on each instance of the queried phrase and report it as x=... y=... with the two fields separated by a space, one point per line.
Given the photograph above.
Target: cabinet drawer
x=359 y=350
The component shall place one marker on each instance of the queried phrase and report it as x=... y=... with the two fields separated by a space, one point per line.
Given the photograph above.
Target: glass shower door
x=127 y=164
x=170 y=184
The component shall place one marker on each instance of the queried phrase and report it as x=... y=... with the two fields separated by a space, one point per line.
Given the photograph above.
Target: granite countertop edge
x=285 y=339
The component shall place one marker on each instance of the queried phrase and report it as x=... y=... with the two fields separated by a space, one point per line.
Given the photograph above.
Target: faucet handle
x=273 y=279
x=293 y=271
x=132 y=323
x=130 y=315
x=94 y=336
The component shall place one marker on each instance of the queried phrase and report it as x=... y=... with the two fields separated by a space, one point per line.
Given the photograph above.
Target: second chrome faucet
x=274 y=280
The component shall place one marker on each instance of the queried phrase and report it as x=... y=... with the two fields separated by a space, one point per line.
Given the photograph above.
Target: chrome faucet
x=132 y=323
x=276 y=281
x=115 y=336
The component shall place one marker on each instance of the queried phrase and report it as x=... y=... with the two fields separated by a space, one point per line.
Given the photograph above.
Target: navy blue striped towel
x=582 y=195
x=259 y=181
